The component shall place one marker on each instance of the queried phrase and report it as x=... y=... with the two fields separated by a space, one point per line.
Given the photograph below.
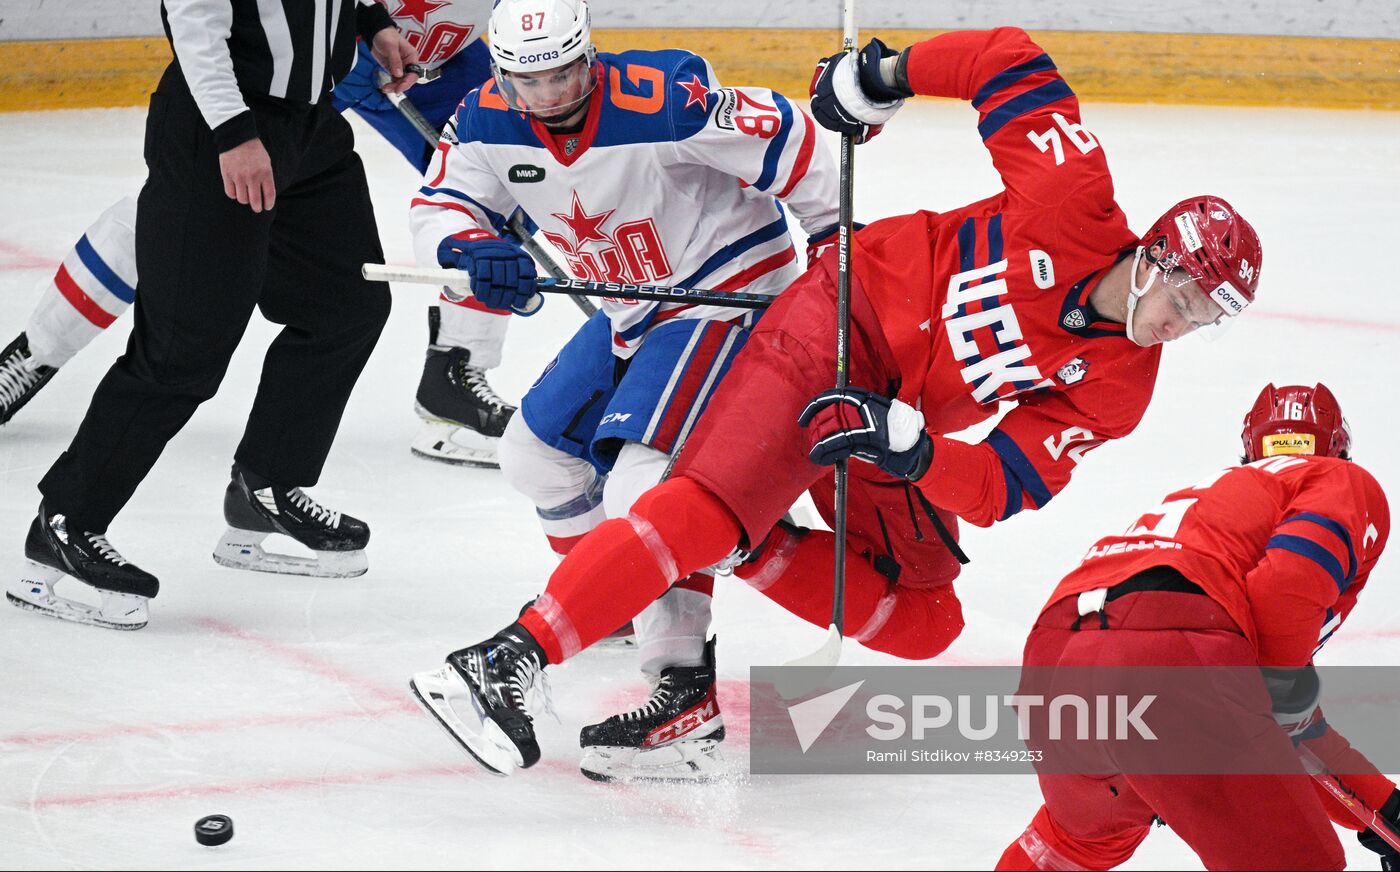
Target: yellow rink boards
x=1118 y=67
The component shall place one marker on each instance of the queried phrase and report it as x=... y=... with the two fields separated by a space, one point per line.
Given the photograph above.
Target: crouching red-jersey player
x=1039 y=294
x=1255 y=568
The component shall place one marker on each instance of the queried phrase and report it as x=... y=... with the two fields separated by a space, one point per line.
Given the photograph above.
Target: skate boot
x=55 y=552
x=20 y=377
x=255 y=510
x=673 y=736
x=480 y=698
x=463 y=419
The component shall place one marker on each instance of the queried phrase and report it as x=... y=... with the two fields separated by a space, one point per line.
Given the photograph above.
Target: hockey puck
x=214 y=829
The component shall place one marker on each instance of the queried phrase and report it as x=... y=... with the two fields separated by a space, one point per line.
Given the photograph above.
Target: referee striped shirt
x=294 y=50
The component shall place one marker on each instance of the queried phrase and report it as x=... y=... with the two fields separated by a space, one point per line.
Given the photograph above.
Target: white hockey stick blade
x=465 y=722
x=793 y=683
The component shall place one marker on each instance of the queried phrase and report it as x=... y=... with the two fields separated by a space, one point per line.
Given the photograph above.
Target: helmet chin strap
x=1135 y=293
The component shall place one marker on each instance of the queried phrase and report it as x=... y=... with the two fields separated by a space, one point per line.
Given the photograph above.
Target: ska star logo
x=585 y=227
x=696 y=91
x=418 y=10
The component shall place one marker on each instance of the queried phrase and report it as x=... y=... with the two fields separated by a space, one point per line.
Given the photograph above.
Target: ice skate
x=55 y=552
x=20 y=377
x=480 y=698
x=673 y=736
x=463 y=419
x=337 y=541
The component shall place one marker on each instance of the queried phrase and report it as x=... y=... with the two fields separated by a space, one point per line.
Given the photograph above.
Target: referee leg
x=324 y=232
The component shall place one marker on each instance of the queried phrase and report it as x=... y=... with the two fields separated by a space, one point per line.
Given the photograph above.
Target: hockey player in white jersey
x=96 y=282
x=639 y=168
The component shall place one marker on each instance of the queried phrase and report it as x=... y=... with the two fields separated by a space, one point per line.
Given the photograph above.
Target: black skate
x=673 y=736
x=20 y=377
x=254 y=513
x=479 y=698
x=463 y=419
x=54 y=551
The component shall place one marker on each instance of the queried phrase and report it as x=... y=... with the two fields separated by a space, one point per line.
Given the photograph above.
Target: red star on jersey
x=418 y=10
x=695 y=92
x=585 y=226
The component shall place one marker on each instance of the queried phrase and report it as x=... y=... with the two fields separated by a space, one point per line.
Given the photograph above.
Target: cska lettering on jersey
x=439 y=29
x=983 y=331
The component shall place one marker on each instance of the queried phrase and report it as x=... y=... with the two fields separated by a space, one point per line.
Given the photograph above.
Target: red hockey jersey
x=1285 y=544
x=991 y=301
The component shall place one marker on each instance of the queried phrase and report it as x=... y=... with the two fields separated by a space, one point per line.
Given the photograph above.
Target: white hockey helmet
x=529 y=36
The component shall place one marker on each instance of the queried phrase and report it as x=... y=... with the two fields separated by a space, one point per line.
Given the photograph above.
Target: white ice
x=282 y=701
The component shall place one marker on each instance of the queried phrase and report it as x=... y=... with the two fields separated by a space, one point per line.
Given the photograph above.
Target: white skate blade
x=693 y=760
x=447 y=442
x=33 y=591
x=615 y=643
x=242 y=549
x=445 y=696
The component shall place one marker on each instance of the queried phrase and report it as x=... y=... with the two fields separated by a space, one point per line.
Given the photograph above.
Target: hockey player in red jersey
x=1040 y=294
x=1258 y=566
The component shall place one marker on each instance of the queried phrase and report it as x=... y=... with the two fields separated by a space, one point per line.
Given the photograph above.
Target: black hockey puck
x=214 y=829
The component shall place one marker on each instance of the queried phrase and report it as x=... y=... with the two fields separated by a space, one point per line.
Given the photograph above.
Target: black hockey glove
x=850 y=96
x=858 y=423
x=1390 y=858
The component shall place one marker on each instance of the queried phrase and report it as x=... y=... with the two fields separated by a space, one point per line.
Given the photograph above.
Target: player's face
x=554 y=96
x=1169 y=311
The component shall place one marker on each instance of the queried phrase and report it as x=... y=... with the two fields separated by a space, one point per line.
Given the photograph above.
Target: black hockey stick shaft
x=843 y=332
x=420 y=123
x=454 y=278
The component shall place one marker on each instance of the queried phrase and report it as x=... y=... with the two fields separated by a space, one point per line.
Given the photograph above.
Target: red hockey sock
x=674 y=529
x=795 y=572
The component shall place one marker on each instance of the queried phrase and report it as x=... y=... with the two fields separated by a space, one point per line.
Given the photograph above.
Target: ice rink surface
x=282 y=701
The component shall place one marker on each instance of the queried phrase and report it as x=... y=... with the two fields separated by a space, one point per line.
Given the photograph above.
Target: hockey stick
x=517 y=226
x=1333 y=784
x=829 y=654
x=453 y=278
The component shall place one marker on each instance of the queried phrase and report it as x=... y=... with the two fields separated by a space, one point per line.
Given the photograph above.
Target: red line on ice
x=116 y=731
x=1349 y=323
x=309 y=662
x=18 y=257
x=266 y=785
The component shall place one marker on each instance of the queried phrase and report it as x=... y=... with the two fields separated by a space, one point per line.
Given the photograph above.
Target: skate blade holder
x=478 y=735
x=34 y=591
x=447 y=442
x=243 y=549
x=697 y=760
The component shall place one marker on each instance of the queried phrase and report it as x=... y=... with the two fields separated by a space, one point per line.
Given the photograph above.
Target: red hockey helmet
x=1295 y=420
x=1209 y=242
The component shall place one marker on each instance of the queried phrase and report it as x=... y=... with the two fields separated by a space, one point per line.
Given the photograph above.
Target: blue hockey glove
x=360 y=86
x=858 y=423
x=850 y=97
x=503 y=276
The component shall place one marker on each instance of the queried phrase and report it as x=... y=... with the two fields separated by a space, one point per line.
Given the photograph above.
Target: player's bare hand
x=396 y=55
x=247 y=172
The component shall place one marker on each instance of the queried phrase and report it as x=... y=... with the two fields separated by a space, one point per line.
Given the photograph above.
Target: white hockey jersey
x=672 y=181
x=439 y=29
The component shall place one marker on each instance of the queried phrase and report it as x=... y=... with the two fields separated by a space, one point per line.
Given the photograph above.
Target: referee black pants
x=204 y=262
